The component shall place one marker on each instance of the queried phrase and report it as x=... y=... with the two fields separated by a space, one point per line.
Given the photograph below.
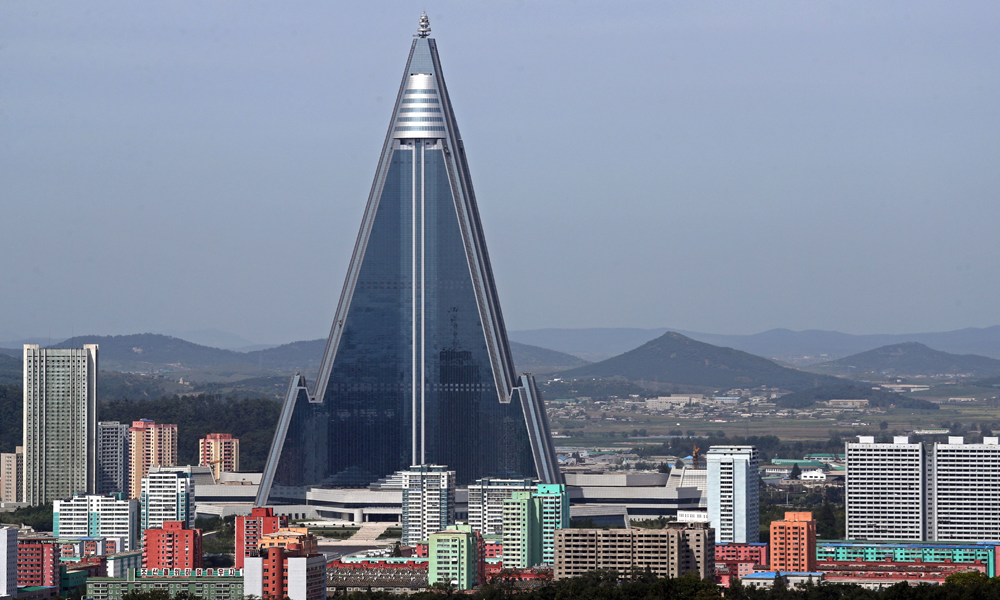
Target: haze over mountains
x=597 y=344
x=913 y=359
x=661 y=364
x=147 y=352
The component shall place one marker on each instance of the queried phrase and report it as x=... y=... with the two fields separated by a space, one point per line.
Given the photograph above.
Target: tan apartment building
x=151 y=444
x=11 y=475
x=221 y=452
x=669 y=552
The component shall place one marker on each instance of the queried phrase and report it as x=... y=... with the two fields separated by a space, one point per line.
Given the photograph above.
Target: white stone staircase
x=369 y=532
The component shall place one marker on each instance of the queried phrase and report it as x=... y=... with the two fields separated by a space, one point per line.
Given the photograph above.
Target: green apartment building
x=522 y=540
x=529 y=525
x=455 y=557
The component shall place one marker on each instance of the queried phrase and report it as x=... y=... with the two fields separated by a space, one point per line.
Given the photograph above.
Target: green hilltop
x=676 y=359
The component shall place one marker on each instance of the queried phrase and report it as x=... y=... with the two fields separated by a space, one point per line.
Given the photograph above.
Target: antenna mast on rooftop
x=424 y=29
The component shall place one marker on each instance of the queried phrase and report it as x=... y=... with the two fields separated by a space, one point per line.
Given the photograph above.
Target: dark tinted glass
x=362 y=431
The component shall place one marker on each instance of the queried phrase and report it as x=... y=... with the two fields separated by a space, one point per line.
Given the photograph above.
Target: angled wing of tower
x=417 y=368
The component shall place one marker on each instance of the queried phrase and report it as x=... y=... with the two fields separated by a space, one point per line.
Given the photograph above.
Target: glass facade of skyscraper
x=417 y=368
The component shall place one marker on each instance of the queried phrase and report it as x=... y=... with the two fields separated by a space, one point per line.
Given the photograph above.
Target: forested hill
x=252 y=420
x=911 y=358
x=848 y=391
x=10 y=370
x=674 y=358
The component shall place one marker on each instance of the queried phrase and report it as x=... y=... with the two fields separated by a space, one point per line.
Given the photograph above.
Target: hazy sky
x=726 y=167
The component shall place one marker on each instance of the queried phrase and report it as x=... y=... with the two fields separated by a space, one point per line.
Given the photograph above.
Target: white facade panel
x=733 y=493
x=886 y=490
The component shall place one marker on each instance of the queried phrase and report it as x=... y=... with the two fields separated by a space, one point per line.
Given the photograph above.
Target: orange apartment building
x=151 y=444
x=793 y=543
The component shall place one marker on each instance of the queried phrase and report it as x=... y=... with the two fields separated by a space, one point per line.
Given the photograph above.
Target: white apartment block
x=965 y=491
x=886 y=490
x=166 y=496
x=112 y=457
x=486 y=498
x=12 y=475
x=733 y=493
x=97 y=516
x=428 y=502
x=8 y=562
x=59 y=422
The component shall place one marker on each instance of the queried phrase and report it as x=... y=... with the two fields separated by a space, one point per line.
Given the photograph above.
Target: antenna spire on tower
x=424 y=29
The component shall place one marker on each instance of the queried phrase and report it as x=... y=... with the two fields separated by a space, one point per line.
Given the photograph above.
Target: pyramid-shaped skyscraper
x=417 y=368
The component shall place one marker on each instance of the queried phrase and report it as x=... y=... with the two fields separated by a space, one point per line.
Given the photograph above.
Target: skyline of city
x=421 y=458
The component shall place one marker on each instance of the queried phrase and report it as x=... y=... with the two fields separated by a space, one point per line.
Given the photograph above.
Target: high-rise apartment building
x=8 y=562
x=522 y=540
x=38 y=561
x=112 y=457
x=964 y=491
x=886 y=490
x=417 y=367
x=733 y=493
x=251 y=529
x=428 y=501
x=166 y=496
x=486 y=498
x=669 y=552
x=59 y=422
x=221 y=452
x=151 y=444
x=456 y=558
x=12 y=475
x=97 y=516
x=530 y=520
x=553 y=514
x=171 y=546
x=793 y=543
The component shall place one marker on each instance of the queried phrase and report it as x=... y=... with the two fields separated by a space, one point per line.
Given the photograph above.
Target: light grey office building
x=60 y=422
x=733 y=494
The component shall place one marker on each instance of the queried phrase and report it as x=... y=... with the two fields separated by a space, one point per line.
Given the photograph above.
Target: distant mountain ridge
x=149 y=352
x=677 y=359
x=601 y=343
x=911 y=358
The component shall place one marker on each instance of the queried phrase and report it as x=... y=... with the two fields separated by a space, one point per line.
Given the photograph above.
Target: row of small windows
x=419 y=129
x=420 y=100
x=420 y=92
x=421 y=109
x=423 y=119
